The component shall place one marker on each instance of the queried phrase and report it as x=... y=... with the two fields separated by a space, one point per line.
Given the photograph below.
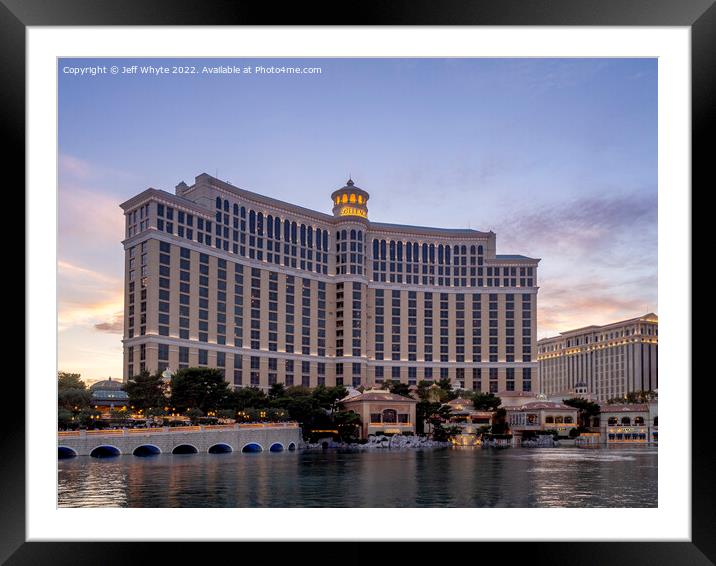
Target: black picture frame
x=699 y=15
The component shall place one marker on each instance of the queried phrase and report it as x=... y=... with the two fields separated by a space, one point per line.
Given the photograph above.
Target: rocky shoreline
x=398 y=442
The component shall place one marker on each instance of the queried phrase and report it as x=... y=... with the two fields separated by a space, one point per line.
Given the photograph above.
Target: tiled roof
x=378 y=396
x=552 y=406
x=626 y=408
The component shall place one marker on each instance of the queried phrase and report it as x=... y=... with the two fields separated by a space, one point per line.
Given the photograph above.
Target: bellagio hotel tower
x=271 y=292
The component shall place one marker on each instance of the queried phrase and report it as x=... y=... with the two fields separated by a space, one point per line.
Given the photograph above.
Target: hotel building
x=270 y=292
x=609 y=361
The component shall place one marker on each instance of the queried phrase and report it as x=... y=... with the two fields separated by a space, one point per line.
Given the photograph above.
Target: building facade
x=270 y=292
x=607 y=361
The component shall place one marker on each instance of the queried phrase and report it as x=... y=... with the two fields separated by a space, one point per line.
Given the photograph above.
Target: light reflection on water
x=472 y=477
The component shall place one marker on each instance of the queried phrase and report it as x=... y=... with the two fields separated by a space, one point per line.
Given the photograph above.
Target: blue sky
x=557 y=156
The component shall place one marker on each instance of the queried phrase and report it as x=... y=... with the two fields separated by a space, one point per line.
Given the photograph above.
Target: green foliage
x=398 y=388
x=67 y=380
x=486 y=401
x=499 y=422
x=573 y=433
x=248 y=397
x=348 y=424
x=200 y=388
x=72 y=393
x=447 y=393
x=277 y=390
x=146 y=390
x=65 y=419
x=586 y=410
x=634 y=397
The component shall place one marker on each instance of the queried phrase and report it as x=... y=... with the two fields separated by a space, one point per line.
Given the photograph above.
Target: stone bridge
x=253 y=437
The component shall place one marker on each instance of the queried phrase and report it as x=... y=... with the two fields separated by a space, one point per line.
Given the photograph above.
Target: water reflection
x=462 y=477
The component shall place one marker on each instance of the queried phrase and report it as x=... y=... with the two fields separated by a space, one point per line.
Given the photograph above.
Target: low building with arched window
x=382 y=411
x=630 y=423
x=540 y=416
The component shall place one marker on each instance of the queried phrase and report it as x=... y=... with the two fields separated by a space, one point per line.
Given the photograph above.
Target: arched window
x=218 y=203
x=549 y=420
x=612 y=421
x=432 y=253
x=325 y=240
x=303 y=234
x=400 y=251
x=260 y=224
x=360 y=199
x=338 y=199
x=309 y=236
x=360 y=235
x=568 y=420
x=269 y=226
x=479 y=250
x=294 y=232
x=390 y=416
x=318 y=238
x=376 y=251
x=626 y=420
x=409 y=252
x=382 y=250
x=463 y=250
x=243 y=212
x=473 y=250
x=558 y=420
x=353 y=198
x=236 y=209
x=277 y=228
x=226 y=206
x=345 y=198
x=639 y=421
x=425 y=253
x=416 y=251
x=447 y=255
x=344 y=235
x=252 y=222
x=440 y=253
x=353 y=234
x=392 y=250
x=287 y=231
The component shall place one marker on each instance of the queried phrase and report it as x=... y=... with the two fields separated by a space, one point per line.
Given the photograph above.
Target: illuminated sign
x=353 y=211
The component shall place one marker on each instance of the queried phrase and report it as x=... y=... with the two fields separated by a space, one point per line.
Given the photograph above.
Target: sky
x=557 y=156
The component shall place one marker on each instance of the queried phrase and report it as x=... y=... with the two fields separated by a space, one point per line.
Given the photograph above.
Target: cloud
x=74 y=167
x=114 y=326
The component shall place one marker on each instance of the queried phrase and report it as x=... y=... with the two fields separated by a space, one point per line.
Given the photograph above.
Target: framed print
x=397 y=279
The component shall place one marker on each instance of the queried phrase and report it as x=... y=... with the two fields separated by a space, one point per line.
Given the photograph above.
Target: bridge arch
x=105 y=451
x=292 y=446
x=252 y=447
x=276 y=447
x=66 y=452
x=146 y=450
x=185 y=449
x=220 y=448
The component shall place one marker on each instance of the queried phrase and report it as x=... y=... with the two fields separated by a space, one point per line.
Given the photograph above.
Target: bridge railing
x=172 y=429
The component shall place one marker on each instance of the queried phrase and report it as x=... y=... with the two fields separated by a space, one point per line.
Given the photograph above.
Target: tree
x=277 y=390
x=66 y=380
x=398 y=388
x=447 y=393
x=146 y=391
x=633 y=397
x=249 y=397
x=72 y=393
x=348 y=425
x=586 y=410
x=499 y=422
x=328 y=397
x=486 y=401
x=200 y=388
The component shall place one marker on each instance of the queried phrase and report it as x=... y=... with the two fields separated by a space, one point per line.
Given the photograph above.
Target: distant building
x=541 y=415
x=108 y=395
x=382 y=411
x=630 y=423
x=607 y=361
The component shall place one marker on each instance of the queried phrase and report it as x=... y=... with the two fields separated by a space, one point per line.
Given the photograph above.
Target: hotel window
x=203 y=357
x=356 y=374
x=183 y=357
x=395 y=373
x=238 y=370
x=163 y=356
x=526 y=379
x=428 y=374
x=289 y=373
x=306 y=374
x=477 y=379
x=493 y=380
x=379 y=374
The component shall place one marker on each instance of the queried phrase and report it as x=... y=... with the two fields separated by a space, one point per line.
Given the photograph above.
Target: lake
x=451 y=477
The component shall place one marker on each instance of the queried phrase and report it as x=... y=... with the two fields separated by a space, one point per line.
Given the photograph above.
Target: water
x=454 y=477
